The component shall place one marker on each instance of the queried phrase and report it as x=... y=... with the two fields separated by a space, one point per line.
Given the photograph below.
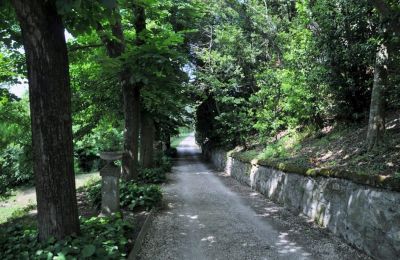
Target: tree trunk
x=132 y=124
x=140 y=26
x=50 y=104
x=147 y=140
x=376 y=125
x=131 y=98
x=168 y=141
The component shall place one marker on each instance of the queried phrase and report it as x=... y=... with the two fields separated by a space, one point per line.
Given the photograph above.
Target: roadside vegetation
x=333 y=147
x=102 y=237
x=315 y=83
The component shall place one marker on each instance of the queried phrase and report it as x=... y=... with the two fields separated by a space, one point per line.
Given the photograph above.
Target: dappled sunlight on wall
x=368 y=218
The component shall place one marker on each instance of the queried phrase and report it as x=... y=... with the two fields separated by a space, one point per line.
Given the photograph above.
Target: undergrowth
x=101 y=238
x=342 y=146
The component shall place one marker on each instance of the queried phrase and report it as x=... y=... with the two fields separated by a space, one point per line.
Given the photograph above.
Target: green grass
x=12 y=212
x=10 y=209
x=281 y=149
x=176 y=140
x=7 y=212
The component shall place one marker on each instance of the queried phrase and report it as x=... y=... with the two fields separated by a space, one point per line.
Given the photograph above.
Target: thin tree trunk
x=140 y=26
x=168 y=141
x=376 y=125
x=147 y=140
x=135 y=116
x=50 y=104
x=131 y=101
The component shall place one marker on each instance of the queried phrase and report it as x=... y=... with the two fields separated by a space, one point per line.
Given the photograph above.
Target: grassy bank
x=336 y=151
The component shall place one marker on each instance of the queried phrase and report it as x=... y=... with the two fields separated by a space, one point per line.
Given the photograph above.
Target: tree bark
x=50 y=104
x=147 y=140
x=131 y=98
x=130 y=160
x=140 y=26
x=168 y=142
x=376 y=125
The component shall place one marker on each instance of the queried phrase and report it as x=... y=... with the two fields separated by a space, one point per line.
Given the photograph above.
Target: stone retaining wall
x=366 y=217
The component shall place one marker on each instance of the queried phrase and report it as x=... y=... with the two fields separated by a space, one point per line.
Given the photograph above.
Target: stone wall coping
x=377 y=181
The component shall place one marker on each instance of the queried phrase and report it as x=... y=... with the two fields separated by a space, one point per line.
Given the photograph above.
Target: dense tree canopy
x=267 y=66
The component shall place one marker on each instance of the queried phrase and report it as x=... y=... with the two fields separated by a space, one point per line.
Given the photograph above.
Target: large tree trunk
x=147 y=140
x=50 y=104
x=376 y=125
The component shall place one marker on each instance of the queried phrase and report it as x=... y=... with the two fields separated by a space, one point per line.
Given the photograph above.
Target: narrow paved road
x=210 y=216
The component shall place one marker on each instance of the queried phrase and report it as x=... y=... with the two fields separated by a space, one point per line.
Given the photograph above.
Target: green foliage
x=108 y=139
x=147 y=176
x=136 y=195
x=15 y=142
x=101 y=238
x=176 y=140
x=152 y=175
x=164 y=162
x=132 y=195
x=15 y=167
x=21 y=212
x=285 y=146
x=264 y=67
x=106 y=136
x=93 y=191
x=5 y=73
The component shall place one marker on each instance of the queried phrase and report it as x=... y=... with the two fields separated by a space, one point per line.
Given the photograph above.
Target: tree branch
x=82 y=47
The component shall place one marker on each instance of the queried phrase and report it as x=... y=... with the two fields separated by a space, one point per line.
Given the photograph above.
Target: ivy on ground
x=101 y=238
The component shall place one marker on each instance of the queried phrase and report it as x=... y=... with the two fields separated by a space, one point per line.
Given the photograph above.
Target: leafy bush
x=152 y=175
x=106 y=136
x=164 y=162
x=132 y=195
x=157 y=174
x=15 y=141
x=15 y=167
x=93 y=192
x=103 y=238
x=284 y=146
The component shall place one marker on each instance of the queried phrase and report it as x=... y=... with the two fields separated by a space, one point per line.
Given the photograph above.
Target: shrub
x=152 y=175
x=15 y=167
x=93 y=192
x=164 y=162
x=103 y=238
x=132 y=195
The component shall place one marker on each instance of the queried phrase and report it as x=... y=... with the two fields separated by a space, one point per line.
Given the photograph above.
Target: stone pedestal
x=110 y=186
